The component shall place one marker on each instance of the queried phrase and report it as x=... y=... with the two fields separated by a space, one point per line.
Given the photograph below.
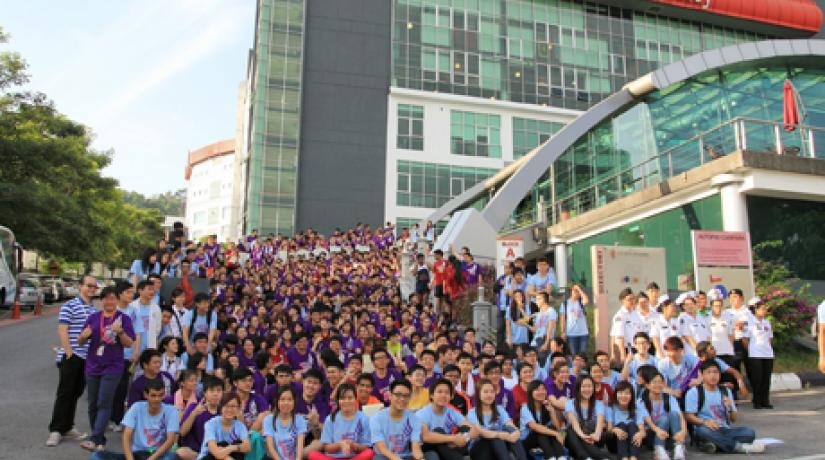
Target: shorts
x=422 y=287
x=439 y=291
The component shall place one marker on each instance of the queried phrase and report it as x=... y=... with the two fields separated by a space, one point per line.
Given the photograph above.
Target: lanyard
x=102 y=330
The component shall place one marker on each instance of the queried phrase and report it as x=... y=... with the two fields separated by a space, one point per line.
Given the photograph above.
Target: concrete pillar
x=561 y=263
x=734 y=205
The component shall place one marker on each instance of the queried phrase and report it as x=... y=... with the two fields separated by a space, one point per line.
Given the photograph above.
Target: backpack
x=700 y=390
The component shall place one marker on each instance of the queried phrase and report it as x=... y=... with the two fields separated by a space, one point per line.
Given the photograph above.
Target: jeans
x=69 y=389
x=578 y=343
x=100 y=395
x=672 y=424
x=580 y=449
x=381 y=457
x=442 y=451
x=726 y=438
x=549 y=445
x=363 y=455
x=139 y=455
x=119 y=401
x=625 y=447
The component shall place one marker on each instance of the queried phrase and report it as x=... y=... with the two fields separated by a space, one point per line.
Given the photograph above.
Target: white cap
x=684 y=296
x=662 y=299
x=754 y=300
x=715 y=294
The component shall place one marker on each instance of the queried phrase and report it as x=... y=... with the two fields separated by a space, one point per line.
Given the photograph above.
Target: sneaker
x=707 y=447
x=659 y=453
x=74 y=434
x=54 y=439
x=679 y=452
x=754 y=448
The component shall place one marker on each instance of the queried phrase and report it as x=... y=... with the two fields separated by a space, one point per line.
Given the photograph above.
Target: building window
x=410 y=127
x=430 y=185
x=199 y=218
x=475 y=134
x=529 y=134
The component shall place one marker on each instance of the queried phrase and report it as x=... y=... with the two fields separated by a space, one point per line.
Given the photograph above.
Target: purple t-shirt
x=136 y=389
x=320 y=404
x=381 y=390
x=105 y=351
x=254 y=406
x=505 y=399
x=194 y=438
x=243 y=361
x=472 y=272
x=566 y=391
x=301 y=362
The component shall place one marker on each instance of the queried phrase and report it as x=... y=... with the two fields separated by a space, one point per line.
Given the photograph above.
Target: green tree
x=168 y=203
x=52 y=192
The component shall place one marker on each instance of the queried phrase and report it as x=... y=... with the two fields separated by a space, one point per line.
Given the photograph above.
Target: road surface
x=29 y=379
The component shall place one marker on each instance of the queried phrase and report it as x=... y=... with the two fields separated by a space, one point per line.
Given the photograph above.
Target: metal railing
x=736 y=134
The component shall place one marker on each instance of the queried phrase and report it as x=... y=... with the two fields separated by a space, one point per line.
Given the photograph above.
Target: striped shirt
x=74 y=313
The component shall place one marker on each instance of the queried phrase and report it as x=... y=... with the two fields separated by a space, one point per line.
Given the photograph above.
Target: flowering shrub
x=790 y=307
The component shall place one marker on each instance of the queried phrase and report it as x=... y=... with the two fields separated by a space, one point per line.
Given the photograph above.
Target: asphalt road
x=29 y=378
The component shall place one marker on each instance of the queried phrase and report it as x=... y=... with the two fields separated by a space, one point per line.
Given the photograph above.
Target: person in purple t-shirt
x=195 y=417
x=471 y=269
x=108 y=332
x=314 y=407
x=504 y=397
x=300 y=357
x=560 y=388
x=150 y=363
x=253 y=406
x=383 y=375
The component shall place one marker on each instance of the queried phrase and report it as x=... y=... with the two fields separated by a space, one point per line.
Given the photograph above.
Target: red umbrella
x=791 y=114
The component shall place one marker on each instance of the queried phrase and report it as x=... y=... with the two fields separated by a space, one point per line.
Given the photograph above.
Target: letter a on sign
x=510 y=253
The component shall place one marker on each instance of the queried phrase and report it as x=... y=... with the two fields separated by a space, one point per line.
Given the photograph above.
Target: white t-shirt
x=695 y=327
x=760 y=333
x=664 y=329
x=721 y=329
x=647 y=322
x=625 y=324
x=741 y=314
x=821 y=313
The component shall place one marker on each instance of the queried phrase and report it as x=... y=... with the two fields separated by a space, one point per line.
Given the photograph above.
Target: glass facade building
x=558 y=53
x=430 y=185
x=271 y=194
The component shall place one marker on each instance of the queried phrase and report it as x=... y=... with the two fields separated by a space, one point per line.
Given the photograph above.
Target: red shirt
x=603 y=394
x=519 y=396
x=439 y=267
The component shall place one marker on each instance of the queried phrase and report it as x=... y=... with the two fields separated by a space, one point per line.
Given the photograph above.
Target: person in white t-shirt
x=760 y=354
x=647 y=316
x=694 y=328
x=624 y=326
x=821 y=317
x=742 y=317
x=665 y=327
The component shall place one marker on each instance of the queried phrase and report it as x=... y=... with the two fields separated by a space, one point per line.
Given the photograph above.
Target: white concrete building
x=210 y=186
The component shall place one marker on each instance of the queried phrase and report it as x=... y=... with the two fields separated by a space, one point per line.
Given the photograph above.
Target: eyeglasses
x=91 y=286
x=401 y=395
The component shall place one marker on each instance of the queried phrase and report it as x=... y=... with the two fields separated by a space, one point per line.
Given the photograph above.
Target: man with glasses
x=395 y=433
x=71 y=362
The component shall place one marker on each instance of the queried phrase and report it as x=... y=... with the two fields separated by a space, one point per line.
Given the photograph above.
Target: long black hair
x=275 y=411
x=591 y=405
x=514 y=311
x=459 y=274
x=342 y=389
x=479 y=411
x=531 y=402
x=145 y=263
x=631 y=405
x=645 y=395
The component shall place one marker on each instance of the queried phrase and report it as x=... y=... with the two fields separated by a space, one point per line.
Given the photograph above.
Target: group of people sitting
x=303 y=354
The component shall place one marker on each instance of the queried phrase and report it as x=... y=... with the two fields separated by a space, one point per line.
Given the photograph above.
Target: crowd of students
x=304 y=348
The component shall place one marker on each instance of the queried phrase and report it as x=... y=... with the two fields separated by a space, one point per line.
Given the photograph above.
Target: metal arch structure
x=517 y=184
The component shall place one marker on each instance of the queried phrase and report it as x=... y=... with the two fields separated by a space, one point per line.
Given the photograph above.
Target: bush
x=791 y=309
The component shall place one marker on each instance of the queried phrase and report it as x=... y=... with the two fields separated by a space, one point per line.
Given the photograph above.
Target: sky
x=153 y=79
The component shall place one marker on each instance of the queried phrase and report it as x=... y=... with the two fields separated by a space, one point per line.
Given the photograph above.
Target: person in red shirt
x=525 y=376
x=437 y=283
x=603 y=390
x=453 y=283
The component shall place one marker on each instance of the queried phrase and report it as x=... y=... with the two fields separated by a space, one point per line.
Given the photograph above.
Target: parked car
x=45 y=284
x=29 y=293
x=69 y=289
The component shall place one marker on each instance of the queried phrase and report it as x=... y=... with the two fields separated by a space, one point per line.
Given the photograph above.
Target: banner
x=722 y=260
x=507 y=250
x=618 y=267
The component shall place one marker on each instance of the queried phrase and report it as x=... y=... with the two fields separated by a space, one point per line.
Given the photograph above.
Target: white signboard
x=722 y=260
x=507 y=250
x=618 y=267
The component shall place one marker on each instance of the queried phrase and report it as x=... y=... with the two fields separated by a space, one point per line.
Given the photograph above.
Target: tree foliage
x=52 y=192
x=168 y=203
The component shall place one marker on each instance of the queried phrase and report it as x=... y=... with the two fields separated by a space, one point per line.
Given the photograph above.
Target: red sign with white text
x=722 y=249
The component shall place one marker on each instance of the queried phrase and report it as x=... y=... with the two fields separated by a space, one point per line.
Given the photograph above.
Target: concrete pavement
x=29 y=378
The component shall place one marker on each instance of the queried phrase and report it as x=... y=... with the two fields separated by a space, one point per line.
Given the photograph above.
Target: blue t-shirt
x=570 y=409
x=676 y=375
x=210 y=362
x=213 y=431
x=518 y=333
x=526 y=416
x=137 y=326
x=356 y=429
x=616 y=416
x=395 y=434
x=575 y=319
x=713 y=409
x=137 y=269
x=448 y=421
x=541 y=282
x=657 y=408
x=285 y=437
x=200 y=323
x=150 y=431
x=613 y=379
x=487 y=423
x=635 y=364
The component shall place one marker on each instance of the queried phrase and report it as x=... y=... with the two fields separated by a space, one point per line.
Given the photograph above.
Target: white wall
x=209 y=198
x=437 y=108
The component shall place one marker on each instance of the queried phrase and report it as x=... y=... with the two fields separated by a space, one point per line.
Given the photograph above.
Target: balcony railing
x=736 y=134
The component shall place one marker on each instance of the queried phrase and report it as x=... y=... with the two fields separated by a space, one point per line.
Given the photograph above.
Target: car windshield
x=28 y=283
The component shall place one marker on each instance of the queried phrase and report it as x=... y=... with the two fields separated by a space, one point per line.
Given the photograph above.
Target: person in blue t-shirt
x=539 y=425
x=544 y=280
x=150 y=427
x=283 y=430
x=713 y=418
x=200 y=319
x=444 y=431
x=625 y=423
x=396 y=435
x=346 y=432
x=517 y=327
x=680 y=370
x=662 y=416
x=585 y=416
x=225 y=436
x=498 y=436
